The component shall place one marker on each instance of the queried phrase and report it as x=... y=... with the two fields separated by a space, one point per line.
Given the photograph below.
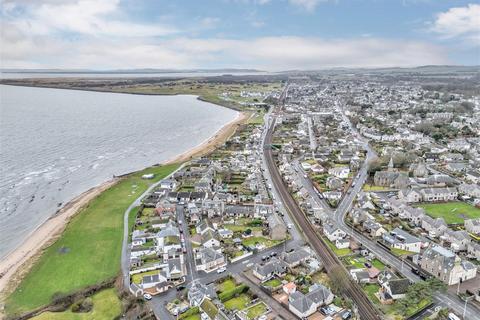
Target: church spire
x=390 y=164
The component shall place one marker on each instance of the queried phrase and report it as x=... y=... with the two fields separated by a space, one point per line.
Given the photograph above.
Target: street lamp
x=465 y=307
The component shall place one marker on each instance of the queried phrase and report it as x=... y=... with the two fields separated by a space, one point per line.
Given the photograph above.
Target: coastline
x=20 y=260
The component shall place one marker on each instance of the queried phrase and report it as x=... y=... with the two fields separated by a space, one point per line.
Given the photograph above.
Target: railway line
x=333 y=266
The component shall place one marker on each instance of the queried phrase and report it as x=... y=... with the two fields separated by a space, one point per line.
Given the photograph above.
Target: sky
x=271 y=35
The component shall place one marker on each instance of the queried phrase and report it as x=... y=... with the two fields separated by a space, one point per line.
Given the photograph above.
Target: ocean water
x=56 y=144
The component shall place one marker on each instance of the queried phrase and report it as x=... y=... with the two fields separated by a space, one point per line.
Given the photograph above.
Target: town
x=340 y=198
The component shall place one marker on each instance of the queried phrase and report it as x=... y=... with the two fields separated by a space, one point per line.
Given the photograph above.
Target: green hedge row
x=227 y=295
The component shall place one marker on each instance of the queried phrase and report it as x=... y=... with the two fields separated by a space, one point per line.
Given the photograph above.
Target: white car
x=221 y=270
x=147 y=296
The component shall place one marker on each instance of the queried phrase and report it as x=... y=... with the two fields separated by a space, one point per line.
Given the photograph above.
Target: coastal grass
x=88 y=251
x=106 y=306
x=452 y=212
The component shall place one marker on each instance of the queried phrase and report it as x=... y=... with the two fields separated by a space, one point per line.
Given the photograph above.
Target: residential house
x=197 y=292
x=274 y=267
x=332 y=232
x=473 y=226
x=410 y=195
x=400 y=239
x=373 y=228
x=439 y=194
x=434 y=227
x=458 y=239
x=340 y=172
x=276 y=227
x=473 y=176
x=471 y=190
x=447 y=266
x=296 y=257
x=393 y=290
x=304 y=305
x=208 y=259
x=154 y=284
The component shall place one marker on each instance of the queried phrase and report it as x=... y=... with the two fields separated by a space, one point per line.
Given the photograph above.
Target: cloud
x=267 y=53
x=209 y=22
x=83 y=17
x=307 y=5
x=459 y=22
x=101 y=35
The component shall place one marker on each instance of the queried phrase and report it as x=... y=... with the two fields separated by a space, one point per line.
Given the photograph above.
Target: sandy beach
x=16 y=264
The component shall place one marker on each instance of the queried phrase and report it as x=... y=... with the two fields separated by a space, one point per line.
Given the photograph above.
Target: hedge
x=227 y=295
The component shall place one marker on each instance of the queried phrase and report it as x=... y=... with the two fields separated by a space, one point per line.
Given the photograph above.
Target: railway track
x=332 y=265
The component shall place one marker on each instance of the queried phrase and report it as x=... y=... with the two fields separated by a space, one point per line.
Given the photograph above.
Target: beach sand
x=16 y=264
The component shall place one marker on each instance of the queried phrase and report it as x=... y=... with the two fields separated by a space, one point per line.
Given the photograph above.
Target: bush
x=189 y=312
x=227 y=295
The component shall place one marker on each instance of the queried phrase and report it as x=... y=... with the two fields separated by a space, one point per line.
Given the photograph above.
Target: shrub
x=227 y=295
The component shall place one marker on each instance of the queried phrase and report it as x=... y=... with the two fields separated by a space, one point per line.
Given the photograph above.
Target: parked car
x=180 y=288
x=223 y=269
x=147 y=296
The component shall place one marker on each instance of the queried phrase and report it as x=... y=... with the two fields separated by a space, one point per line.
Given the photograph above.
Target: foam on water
x=55 y=144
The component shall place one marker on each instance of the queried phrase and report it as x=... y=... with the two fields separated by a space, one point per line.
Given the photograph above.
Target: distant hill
x=128 y=71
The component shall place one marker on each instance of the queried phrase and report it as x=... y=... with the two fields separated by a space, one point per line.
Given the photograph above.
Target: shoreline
x=29 y=85
x=27 y=253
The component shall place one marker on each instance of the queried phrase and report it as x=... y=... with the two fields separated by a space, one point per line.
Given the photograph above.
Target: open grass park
x=106 y=306
x=89 y=250
x=452 y=212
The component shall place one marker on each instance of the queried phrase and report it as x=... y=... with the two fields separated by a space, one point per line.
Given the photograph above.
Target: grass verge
x=106 y=306
x=88 y=251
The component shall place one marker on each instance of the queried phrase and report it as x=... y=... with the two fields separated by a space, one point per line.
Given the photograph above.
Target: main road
x=447 y=299
x=331 y=262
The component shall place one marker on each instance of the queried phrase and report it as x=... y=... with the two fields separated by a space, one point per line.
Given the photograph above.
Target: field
x=452 y=212
x=237 y=303
x=106 y=306
x=256 y=310
x=89 y=250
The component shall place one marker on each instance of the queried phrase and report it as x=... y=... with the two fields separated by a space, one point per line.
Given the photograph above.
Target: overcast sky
x=263 y=34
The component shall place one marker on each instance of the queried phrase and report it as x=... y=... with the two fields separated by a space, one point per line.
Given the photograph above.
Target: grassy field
x=207 y=91
x=227 y=285
x=106 y=306
x=273 y=283
x=256 y=310
x=238 y=303
x=89 y=250
x=452 y=212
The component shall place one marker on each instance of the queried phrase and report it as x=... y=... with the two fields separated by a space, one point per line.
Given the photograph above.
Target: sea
x=57 y=143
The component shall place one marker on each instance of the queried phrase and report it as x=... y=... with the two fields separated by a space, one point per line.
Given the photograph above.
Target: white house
x=400 y=239
x=332 y=232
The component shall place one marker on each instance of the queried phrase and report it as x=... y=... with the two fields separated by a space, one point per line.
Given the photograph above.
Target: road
x=445 y=299
x=125 y=259
x=331 y=262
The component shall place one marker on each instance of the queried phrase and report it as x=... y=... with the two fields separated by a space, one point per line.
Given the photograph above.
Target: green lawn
x=137 y=278
x=89 y=250
x=238 y=303
x=273 y=283
x=227 y=285
x=452 y=212
x=266 y=242
x=371 y=290
x=400 y=252
x=106 y=306
x=256 y=310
